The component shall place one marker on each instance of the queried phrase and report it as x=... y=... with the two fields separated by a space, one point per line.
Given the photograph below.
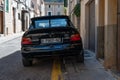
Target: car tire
x=80 y=57
x=26 y=62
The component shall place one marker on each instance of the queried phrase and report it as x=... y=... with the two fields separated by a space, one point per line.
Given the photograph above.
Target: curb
x=115 y=74
x=4 y=39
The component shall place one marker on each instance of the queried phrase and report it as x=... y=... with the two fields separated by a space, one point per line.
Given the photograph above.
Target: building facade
x=52 y=7
x=73 y=11
x=36 y=4
x=10 y=18
x=15 y=15
x=100 y=30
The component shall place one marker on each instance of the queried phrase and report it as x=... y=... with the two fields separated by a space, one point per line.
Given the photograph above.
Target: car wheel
x=26 y=62
x=80 y=57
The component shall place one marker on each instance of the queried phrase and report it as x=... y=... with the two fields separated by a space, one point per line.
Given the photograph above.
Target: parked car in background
x=51 y=36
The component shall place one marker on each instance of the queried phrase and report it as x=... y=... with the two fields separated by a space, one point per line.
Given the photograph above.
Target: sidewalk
x=92 y=69
x=116 y=74
x=10 y=37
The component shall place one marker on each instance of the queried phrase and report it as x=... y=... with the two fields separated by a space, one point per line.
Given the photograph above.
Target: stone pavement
x=90 y=70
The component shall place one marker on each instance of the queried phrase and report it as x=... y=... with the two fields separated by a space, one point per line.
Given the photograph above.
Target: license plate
x=51 y=40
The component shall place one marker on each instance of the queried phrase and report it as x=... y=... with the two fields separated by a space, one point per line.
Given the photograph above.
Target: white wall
x=8 y=20
x=9 y=27
x=53 y=8
x=18 y=22
x=42 y=9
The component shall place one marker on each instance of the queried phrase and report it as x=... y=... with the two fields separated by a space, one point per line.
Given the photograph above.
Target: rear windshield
x=47 y=23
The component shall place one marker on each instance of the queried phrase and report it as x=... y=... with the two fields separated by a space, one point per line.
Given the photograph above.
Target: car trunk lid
x=50 y=35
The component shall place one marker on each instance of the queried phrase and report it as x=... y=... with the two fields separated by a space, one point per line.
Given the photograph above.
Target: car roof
x=49 y=17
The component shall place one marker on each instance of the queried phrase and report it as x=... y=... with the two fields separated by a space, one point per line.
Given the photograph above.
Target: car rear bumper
x=52 y=53
x=64 y=51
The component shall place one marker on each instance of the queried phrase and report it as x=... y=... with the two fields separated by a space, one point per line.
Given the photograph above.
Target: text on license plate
x=51 y=40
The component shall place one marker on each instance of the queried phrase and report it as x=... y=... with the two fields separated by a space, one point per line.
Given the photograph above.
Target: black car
x=51 y=36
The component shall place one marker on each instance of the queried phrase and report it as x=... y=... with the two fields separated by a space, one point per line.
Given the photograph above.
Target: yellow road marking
x=56 y=71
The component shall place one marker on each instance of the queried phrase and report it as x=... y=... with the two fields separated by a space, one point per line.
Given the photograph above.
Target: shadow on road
x=11 y=68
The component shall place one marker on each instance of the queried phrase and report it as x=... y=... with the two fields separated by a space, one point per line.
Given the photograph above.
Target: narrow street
x=11 y=67
x=90 y=24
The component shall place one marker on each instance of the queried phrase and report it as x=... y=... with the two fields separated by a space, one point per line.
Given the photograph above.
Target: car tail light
x=26 y=41
x=75 y=37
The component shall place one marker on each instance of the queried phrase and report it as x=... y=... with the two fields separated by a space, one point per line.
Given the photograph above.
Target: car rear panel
x=38 y=35
x=62 y=33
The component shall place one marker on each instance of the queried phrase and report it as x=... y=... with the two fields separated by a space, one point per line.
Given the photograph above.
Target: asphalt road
x=56 y=68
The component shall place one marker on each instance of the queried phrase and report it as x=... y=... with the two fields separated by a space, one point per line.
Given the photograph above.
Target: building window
x=58 y=13
x=32 y=4
x=7 y=6
x=49 y=13
x=49 y=6
x=19 y=16
x=41 y=2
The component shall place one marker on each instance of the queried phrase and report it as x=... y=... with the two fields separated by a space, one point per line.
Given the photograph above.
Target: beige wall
x=106 y=29
x=100 y=12
x=110 y=33
x=84 y=22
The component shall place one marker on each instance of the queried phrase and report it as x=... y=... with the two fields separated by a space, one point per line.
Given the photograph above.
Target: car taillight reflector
x=75 y=37
x=26 y=41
